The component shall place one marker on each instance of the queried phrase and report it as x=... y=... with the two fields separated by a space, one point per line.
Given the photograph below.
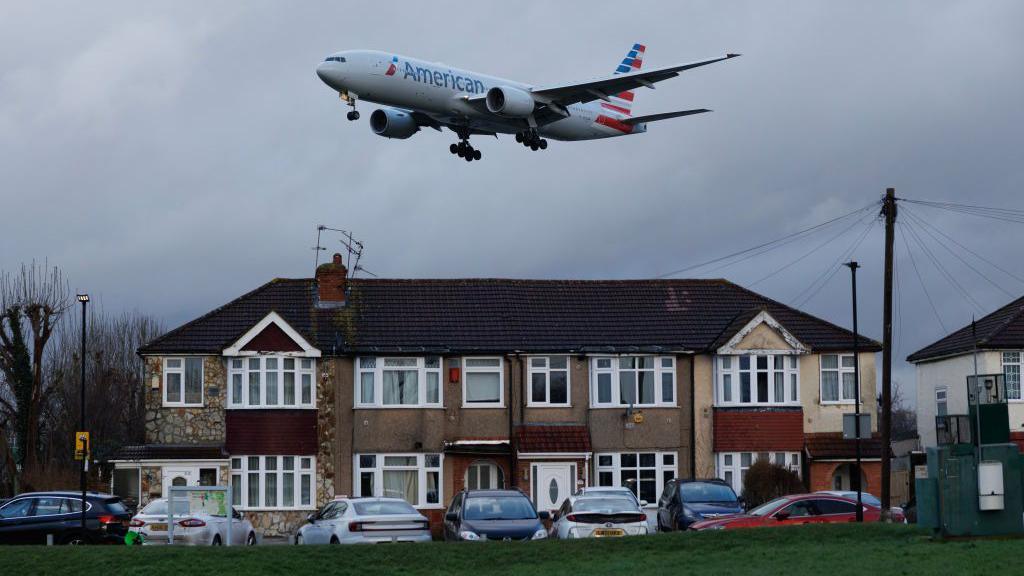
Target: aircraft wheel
x=468 y=157
x=454 y=148
x=519 y=137
x=534 y=147
x=477 y=155
x=543 y=144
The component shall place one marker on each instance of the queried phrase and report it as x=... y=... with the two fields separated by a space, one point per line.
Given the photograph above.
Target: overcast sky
x=171 y=157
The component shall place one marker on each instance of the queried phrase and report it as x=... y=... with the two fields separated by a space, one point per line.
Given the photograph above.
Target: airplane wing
x=663 y=116
x=602 y=88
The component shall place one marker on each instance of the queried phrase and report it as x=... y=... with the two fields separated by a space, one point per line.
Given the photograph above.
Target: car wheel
x=216 y=540
x=334 y=540
x=76 y=539
x=251 y=540
x=298 y=540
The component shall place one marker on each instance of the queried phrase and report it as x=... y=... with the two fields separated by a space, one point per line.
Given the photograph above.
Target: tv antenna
x=353 y=247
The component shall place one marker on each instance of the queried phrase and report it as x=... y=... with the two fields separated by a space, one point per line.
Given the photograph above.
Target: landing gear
x=532 y=140
x=350 y=100
x=463 y=149
x=353 y=115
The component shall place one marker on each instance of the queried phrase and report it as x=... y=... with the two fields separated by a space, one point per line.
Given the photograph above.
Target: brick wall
x=821 y=476
x=758 y=430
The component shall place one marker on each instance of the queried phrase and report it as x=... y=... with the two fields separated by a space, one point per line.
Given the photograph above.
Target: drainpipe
x=693 y=418
x=514 y=472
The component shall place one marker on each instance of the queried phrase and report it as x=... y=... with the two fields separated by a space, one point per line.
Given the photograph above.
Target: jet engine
x=392 y=123
x=510 y=102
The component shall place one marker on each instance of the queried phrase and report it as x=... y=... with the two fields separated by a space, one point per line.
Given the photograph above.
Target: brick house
x=307 y=388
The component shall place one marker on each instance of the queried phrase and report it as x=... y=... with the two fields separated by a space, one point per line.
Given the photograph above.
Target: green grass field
x=819 y=550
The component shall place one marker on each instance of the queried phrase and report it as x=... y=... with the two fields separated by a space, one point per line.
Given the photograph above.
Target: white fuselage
x=440 y=91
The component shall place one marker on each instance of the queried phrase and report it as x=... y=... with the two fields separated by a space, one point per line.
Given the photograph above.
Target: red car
x=794 y=509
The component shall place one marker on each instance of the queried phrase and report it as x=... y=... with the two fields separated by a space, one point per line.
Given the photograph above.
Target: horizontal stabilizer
x=662 y=116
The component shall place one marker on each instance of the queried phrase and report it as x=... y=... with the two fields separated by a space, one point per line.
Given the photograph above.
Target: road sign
x=81 y=445
x=850 y=423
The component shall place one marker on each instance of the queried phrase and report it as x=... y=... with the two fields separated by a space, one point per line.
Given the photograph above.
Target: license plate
x=603 y=532
x=158 y=527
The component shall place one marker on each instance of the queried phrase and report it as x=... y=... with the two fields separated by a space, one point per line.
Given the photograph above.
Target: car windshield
x=605 y=505
x=706 y=492
x=114 y=507
x=159 y=508
x=498 y=508
x=768 y=507
x=377 y=507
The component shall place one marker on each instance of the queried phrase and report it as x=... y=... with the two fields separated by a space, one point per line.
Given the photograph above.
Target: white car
x=190 y=528
x=599 y=516
x=610 y=491
x=365 y=521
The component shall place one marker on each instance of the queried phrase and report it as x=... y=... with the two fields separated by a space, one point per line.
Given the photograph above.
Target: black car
x=684 y=502
x=502 y=515
x=28 y=518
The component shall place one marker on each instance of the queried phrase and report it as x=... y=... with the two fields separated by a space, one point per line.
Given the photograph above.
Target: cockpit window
x=335 y=59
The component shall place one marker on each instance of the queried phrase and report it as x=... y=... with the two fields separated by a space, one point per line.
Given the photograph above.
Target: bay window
x=837 y=379
x=645 y=473
x=633 y=380
x=415 y=478
x=732 y=466
x=549 y=380
x=398 y=381
x=482 y=383
x=764 y=379
x=183 y=381
x=1011 y=373
x=273 y=482
x=271 y=382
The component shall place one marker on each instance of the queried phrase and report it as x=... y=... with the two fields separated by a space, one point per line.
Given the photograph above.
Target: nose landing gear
x=532 y=140
x=350 y=100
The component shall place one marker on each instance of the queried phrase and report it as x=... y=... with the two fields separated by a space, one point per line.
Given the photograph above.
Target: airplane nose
x=329 y=74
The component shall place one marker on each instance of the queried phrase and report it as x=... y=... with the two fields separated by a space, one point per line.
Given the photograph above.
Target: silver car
x=190 y=528
x=599 y=516
x=365 y=521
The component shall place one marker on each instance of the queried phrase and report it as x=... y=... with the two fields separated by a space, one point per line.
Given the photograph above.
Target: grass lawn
x=871 y=550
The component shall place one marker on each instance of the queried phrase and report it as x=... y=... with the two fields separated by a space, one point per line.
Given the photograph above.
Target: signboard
x=850 y=426
x=212 y=503
x=81 y=445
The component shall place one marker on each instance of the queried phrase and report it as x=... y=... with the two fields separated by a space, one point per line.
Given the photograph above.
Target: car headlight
x=539 y=534
x=468 y=535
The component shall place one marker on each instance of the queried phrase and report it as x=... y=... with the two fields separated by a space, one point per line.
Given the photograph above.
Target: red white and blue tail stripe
x=622 y=103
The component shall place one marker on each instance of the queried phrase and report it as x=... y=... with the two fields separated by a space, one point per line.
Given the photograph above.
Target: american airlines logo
x=438 y=78
x=392 y=68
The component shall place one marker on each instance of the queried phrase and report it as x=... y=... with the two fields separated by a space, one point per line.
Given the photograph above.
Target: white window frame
x=728 y=377
x=732 y=462
x=495 y=475
x=183 y=372
x=546 y=370
x=661 y=466
x=1013 y=359
x=467 y=370
x=377 y=372
x=663 y=365
x=239 y=366
x=942 y=391
x=840 y=370
x=239 y=470
x=420 y=467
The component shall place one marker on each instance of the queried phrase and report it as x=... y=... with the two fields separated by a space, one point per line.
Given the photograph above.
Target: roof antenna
x=353 y=246
x=318 y=248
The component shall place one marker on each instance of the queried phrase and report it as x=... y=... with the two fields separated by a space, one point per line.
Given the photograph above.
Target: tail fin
x=622 y=103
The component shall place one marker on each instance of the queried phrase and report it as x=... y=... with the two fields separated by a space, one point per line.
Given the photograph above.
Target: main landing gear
x=532 y=140
x=463 y=149
x=350 y=100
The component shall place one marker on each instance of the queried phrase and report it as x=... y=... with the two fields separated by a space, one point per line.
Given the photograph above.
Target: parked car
x=599 y=516
x=28 y=518
x=364 y=521
x=684 y=502
x=794 y=509
x=479 y=515
x=610 y=490
x=895 y=512
x=191 y=527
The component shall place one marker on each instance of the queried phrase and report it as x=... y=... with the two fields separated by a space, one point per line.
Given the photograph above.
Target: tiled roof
x=832 y=446
x=542 y=438
x=1003 y=328
x=171 y=452
x=758 y=430
x=501 y=315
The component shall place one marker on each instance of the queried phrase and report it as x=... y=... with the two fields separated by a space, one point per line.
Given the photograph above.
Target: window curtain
x=402 y=484
x=193 y=380
x=401 y=387
x=483 y=387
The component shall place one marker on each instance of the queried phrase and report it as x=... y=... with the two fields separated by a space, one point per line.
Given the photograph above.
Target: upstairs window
x=183 y=381
x=549 y=381
x=764 y=380
x=633 y=380
x=1011 y=371
x=940 y=401
x=482 y=383
x=399 y=381
x=271 y=382
x=837 y=379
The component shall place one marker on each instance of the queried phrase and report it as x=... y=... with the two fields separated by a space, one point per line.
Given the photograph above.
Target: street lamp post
x=84 y=299
x=856 y=477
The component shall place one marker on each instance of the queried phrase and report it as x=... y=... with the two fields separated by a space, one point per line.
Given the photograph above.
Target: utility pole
x=889 y=211
x=856 y=477
x=84 y=299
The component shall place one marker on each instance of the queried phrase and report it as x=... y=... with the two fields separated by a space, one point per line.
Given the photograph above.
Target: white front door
x=179 y=476
x=552 y=484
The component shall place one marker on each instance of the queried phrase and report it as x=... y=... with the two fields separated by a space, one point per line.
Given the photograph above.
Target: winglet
x=731 y=55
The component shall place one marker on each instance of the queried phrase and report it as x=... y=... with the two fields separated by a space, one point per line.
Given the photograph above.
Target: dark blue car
x=684 y=502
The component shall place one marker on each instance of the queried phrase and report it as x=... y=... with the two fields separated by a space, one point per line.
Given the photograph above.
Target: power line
x=816 y=286
x=767 y=246
x=919 y=278
x=942 y=269
x=1003 y=214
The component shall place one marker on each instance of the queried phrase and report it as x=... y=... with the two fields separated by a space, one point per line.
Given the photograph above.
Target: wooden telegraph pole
x=889 y=211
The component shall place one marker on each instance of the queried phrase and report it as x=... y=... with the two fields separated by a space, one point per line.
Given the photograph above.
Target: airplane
x=418 y=94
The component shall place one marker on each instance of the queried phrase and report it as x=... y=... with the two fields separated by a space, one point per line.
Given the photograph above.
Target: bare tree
x=32 y=303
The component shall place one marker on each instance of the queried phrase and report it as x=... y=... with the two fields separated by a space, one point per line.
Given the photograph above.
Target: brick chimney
x=331 y=281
